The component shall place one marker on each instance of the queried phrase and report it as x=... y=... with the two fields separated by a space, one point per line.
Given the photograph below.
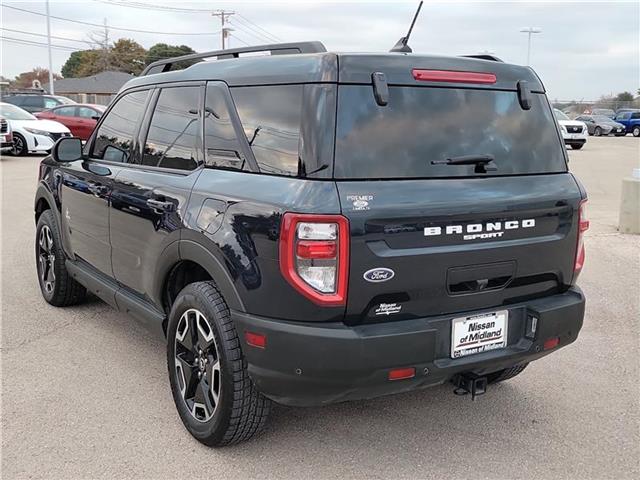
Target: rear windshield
x=424 y=124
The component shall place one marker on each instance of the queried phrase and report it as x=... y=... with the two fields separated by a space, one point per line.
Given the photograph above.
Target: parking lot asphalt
x=85 y=392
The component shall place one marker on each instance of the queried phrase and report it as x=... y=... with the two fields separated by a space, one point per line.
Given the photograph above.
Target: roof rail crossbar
x=164 y=65
x=485 y=56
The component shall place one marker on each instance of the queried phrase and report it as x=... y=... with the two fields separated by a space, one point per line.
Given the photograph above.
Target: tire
x=636 y=131
x=57 y=286
x=215 y=398
x=597 y=132
x=506 y=374
x=20 y=147
x=577 y=146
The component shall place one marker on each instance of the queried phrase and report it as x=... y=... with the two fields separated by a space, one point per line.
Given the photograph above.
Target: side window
x=173 y=132
x=50 y=103
x=33 y=101
x=635 y=115
x=84 y=112
x=271 y=119
x=114 y=138
x=65 y=111
x=221 y=144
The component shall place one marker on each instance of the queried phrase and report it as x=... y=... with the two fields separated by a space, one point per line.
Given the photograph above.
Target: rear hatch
x=430 y=238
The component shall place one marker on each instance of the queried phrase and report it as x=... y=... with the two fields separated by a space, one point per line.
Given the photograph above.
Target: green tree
x=91 y=63
x=127 y=56
x=74 y=63
x=160 y=51
x=625 y=97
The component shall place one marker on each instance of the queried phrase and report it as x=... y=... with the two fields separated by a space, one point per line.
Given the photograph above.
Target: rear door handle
x=160 y=205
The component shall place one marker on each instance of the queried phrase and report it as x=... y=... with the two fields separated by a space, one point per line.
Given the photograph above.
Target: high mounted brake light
x=314 y=256
x=453 y=76
x=583 y=226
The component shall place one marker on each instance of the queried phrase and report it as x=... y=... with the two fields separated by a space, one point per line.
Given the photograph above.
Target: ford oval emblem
x=376 y=275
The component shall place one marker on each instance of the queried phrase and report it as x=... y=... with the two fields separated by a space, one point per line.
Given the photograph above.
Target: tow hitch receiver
x=465 y=383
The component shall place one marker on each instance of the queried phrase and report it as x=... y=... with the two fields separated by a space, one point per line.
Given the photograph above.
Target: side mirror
x=95 y=117
x=67 y=149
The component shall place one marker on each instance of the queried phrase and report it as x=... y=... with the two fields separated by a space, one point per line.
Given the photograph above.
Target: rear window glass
x=421 y=125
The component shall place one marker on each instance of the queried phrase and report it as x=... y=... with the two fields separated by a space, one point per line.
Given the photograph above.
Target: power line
x=259 y=27
x=248 y=24
x=158 y=8
x=238 y=38
x=260 y=38
x=44 y=35
x=111 y=27
x=34 y=43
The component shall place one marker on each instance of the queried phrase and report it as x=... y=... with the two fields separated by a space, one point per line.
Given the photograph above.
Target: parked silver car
x=602 y=125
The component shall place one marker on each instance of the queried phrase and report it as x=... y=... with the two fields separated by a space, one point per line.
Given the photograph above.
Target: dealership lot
x=85 y=392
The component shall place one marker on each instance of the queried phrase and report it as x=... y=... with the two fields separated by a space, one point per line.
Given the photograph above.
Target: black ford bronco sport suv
x=309 y=227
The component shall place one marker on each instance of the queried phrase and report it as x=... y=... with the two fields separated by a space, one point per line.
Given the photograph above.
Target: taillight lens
x=583 y=226
x=314 y=256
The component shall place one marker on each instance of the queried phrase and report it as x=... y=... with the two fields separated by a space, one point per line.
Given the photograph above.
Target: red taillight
x=314 y=256
x=402 y=373
x=452 y=76
x=316 y=249
x=551 y=343
x=583 y=226
x=258 y=340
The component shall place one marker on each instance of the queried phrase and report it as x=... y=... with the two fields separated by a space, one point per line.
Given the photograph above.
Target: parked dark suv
x=35 y=102
x=310 y=227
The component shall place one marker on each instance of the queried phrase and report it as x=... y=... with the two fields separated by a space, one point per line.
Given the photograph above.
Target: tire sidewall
x=47 y=219
x=24 y=150
x=636 y=131
x=215 y=428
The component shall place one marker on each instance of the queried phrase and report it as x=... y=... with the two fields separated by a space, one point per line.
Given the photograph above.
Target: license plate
x=575 y=137
x=479 y=333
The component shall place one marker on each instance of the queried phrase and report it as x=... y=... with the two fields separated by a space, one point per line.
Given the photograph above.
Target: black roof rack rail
x=485 y=56
x=164 y=65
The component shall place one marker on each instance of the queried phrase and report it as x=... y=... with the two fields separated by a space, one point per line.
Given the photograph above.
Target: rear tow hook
x=465 y=383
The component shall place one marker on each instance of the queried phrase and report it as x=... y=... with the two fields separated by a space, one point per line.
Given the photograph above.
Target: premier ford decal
x=376 y=275
x=474 y=231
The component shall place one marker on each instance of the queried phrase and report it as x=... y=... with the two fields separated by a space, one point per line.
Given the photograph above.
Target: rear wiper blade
x=480 y=161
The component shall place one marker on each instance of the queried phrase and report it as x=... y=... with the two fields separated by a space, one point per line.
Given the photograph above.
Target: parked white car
x=31 y=135
x=6 y=138
x=574 y=133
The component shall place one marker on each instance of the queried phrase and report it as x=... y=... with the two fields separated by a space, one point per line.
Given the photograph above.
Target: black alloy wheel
x=19 y=146
x=58 y=287
x=216 y=399
x=46 y=260
x=197 y=364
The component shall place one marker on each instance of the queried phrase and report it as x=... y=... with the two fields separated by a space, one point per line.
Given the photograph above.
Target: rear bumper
x=306 y=364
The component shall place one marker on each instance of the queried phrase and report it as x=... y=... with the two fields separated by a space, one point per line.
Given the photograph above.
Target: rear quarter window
x=270 y=117
x=424 y=124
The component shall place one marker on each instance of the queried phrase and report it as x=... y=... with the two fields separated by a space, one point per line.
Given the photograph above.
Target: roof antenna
x=402 y=46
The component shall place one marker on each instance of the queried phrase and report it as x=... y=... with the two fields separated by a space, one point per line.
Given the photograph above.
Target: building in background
x=99 y=88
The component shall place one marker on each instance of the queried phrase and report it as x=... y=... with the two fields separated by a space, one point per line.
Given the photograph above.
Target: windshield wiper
x=480 y=161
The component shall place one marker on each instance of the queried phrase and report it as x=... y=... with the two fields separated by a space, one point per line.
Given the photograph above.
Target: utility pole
x=224 y=31
x=51 y=88
x=529 y=31
x=105 y=51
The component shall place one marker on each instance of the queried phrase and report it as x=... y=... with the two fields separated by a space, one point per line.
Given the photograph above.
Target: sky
x=585 y=49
